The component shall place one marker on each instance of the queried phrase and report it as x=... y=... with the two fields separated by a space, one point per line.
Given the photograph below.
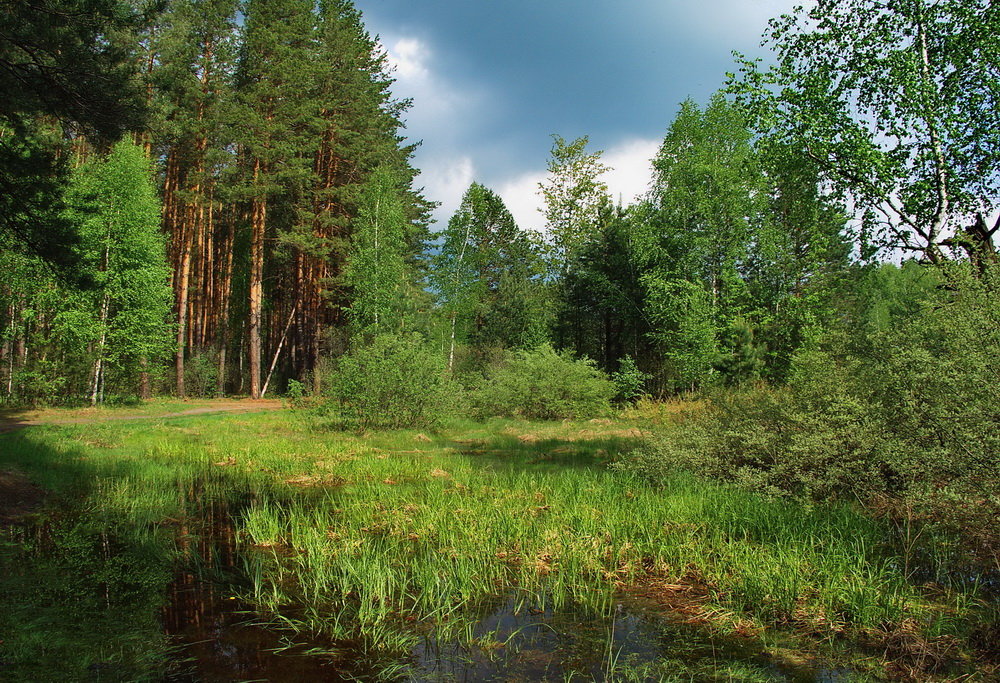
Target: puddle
x=220 y=641
x=526 y=645
x=206 y=634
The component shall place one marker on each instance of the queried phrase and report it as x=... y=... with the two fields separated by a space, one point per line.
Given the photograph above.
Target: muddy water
x=103 y=583
x=220 y=639
x=629 y=645
x=510 y=645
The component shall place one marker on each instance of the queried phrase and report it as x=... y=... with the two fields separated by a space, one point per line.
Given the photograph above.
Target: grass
x=151 y=408
x=389 y=534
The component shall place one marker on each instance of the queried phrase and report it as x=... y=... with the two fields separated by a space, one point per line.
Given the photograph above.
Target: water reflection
x=220 y=639
x=523 y=645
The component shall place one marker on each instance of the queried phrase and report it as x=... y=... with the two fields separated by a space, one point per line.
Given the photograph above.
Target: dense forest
x=265 y=178
x=204 y=198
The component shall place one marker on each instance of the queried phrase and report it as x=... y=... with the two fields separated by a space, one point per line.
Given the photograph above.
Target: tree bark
x=257 y=225
x=181 y=285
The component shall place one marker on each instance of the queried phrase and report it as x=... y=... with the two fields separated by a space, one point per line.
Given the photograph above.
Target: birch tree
x=898 y=103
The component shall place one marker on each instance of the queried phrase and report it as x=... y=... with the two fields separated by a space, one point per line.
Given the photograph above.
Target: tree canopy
x=896 y=101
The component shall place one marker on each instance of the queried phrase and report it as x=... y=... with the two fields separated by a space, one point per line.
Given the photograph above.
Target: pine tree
x=360 y=123
x=62 y=64
x=278 y=111
x=193 y=55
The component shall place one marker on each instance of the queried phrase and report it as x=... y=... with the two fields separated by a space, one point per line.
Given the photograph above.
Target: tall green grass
x=373 y=536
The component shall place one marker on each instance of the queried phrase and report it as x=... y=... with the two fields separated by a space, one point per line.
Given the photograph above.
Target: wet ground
x=211 y=635
x=221 y=642
x=222 y=639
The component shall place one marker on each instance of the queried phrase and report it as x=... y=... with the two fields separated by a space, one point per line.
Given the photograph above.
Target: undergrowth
x=369 y=537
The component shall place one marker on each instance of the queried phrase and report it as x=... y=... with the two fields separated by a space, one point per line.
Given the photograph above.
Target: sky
x=491 y=81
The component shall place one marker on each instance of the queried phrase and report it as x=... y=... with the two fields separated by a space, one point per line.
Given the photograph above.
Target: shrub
x=630 y=381
x=201 y=373
x=812 y=438
x=391 y=382
x=906 y=409
x=40 y=385
x=543 y=384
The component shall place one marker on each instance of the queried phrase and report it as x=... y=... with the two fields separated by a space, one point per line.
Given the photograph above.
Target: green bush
x=907 y=408
x=201 y=373
x=40 y=385
x=630 y=381
x=813 y=438
x=545 y=385
x=391 y=382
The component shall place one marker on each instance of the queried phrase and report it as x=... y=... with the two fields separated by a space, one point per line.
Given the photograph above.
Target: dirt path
x=9 y=424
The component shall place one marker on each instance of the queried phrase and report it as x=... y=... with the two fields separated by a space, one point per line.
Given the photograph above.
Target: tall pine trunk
x=257 y=225
x=182 y=280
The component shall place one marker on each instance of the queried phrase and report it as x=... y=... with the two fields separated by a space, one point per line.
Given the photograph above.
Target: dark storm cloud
x=495 y=79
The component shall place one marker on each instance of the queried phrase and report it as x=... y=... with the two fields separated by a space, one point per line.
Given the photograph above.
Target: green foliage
x=296 y=393
x=905 y=408
x=543 y=384
x=375 y=267
x=66 y=61
x=600 y=313
x=391 y=382
x=574 y=198
x=684 y=330
x=100 y=341
x=489 y=277
x=746 y=356
x=814 y=438
x=39 y=384
x=629 y=381
x=895 y=103
x=114 y=202
x=201 y=374
x=933 y=380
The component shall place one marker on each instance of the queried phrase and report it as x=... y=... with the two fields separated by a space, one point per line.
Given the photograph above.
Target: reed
x=367 y=537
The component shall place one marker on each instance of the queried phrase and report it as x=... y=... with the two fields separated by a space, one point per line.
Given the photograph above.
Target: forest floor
x=504 y=550
x=17 y=418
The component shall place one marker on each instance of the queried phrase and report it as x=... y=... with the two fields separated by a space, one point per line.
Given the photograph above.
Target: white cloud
x=441 y=110
x=442 y=115
x=409 y=57
x=631 y=168
x=445 y=180
x=522 y=197
x=628 y=178
x=738 y=22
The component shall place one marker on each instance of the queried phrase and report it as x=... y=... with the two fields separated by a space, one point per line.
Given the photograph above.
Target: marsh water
x=208 y=632
x=219 y=637
x=221 y=641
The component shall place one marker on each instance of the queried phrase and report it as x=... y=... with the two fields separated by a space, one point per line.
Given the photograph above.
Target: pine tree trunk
x=225 y=291
x=182 y=281
x=257 y=225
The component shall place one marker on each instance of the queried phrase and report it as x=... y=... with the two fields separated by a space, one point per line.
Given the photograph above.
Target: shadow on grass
x=507 y=450
x=97 y=589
